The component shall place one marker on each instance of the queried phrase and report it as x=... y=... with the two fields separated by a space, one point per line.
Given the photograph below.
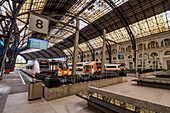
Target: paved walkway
x=17 y=103
x=131 y=89
x=12 y=83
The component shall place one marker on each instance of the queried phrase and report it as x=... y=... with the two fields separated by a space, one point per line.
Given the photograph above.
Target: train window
x=87 y=68
x=44 y=65
x=111 y=66
x=79 y=65
x=79 y=69
x=98 y=65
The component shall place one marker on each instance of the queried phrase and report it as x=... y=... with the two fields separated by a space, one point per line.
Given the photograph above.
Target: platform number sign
x=38 y=24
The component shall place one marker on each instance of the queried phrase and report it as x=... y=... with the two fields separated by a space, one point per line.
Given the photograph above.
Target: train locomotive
x=41 y=66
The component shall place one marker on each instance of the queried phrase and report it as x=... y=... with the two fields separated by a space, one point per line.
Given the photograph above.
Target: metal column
x=136 y=62
x=10 y=32
x=75 y=54
x=142 y=56
x=103 y=50
x=117 y=53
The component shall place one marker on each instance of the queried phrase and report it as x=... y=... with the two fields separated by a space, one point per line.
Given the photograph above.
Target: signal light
x=41 y=70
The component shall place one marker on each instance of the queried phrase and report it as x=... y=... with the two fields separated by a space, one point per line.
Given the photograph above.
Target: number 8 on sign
x=39 y=24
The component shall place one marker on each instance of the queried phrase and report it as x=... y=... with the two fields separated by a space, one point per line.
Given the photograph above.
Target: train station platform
x=17 y=99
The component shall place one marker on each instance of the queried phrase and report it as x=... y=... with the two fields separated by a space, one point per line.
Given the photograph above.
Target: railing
x=120 y=103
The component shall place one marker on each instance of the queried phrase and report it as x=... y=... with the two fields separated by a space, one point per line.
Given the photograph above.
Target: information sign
x=37 y=43
x=38 y=24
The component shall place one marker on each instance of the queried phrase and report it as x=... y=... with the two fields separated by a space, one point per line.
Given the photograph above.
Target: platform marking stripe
x=29 y=78
x=22 y=78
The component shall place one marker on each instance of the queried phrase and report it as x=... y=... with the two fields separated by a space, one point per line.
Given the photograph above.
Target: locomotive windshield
x=98 y=65
x=63 y=66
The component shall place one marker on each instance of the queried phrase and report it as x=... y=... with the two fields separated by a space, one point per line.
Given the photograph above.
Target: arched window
x=114 y=58
x=140 y=56
x=154 y=54
x=167 y=53
x=130 y=56
x=84 y=55
x=96 y=59
x=162 y=43
x=121 y=57
x=101 y=52
x=97 y=53
x=165 y=42
x=153 y=44
x=107 y=58
x=128 y=49
x=114 y=51
x=87 y=55
x=122 y=49
x=140 y=46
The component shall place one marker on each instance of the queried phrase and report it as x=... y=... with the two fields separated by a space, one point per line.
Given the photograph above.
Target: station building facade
x=155 y=50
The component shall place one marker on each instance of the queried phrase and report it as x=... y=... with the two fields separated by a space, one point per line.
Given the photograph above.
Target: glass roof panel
x=37 y=6
x=97 y=42
x=71 y=49
x=92 y=13
x=83 y=47
x=66 y=52
x=152 y=25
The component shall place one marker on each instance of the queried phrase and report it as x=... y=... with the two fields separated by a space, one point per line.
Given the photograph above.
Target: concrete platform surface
x=131 y=89
x=17 y=103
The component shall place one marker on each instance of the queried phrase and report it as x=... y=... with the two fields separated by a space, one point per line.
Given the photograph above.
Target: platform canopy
x=144 y=17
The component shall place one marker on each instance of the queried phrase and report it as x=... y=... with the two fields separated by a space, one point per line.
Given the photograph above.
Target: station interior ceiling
x=144 y=17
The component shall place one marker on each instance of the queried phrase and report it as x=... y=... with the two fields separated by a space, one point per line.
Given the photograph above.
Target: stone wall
x=66 y=90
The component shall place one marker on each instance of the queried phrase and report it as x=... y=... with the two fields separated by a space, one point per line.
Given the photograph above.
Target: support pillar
x=142 y=56
x=75 y=54
x=136 y=61
x=10 y=32
x=103 y=51
x=117 y=53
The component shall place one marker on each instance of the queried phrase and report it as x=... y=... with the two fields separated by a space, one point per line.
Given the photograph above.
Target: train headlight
x=59 y=73
x=65 y=72
x=70 y=73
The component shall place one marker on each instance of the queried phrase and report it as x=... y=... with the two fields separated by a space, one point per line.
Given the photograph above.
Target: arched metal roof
x=144 y=17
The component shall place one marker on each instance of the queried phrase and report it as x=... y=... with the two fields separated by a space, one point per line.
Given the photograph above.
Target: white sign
x=38 y=24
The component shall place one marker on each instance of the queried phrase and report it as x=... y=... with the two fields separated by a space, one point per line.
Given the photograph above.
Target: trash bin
x=35 y=90
x=52 y=81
